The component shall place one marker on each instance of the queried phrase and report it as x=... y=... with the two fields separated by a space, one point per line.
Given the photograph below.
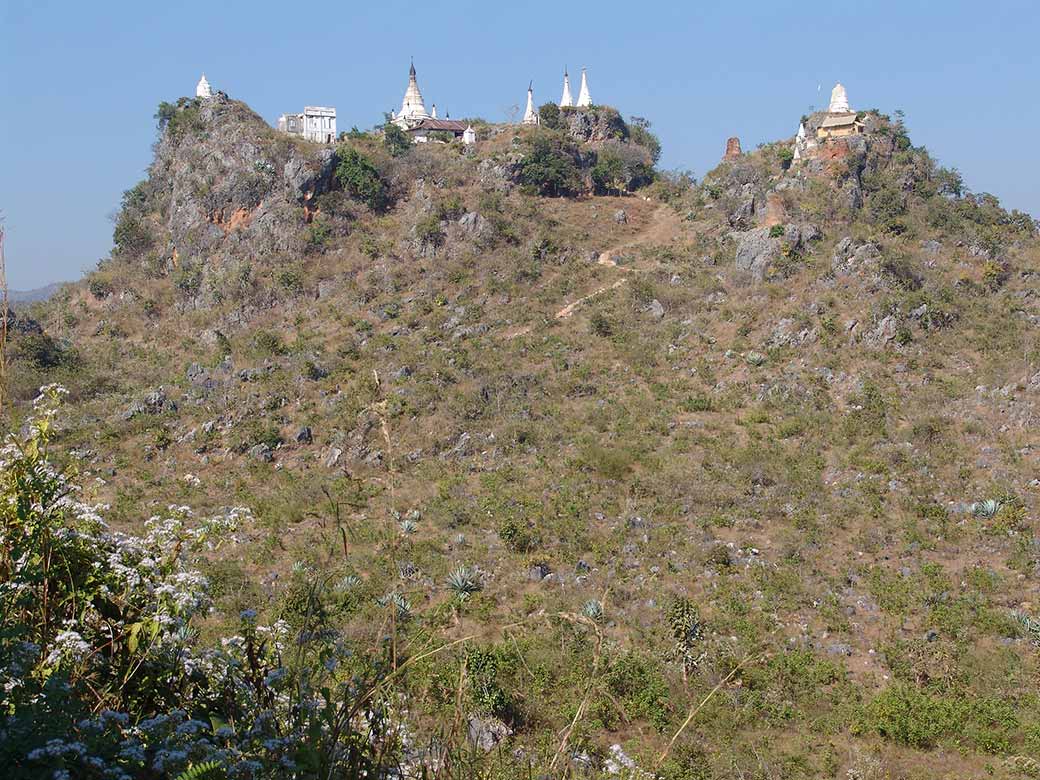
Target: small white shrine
x=203 y=89
x=584 y=98
x=530 y=116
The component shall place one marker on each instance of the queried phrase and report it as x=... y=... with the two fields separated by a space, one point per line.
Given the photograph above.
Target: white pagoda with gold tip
x=413 y=109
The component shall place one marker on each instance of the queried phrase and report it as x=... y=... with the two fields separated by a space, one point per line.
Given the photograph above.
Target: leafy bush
x=188 y=279
x=639 y=134
x=428 y=231
x=100 y=673
x=395 y=140
x=550 y=117
x=318 y=234
x=636 y=681
x=131 y=235
x=550 y=164
x=41 y=351
x=268 y=343
x=621 y=167
x=359 y=177
x=919 y=719
x=482 y=676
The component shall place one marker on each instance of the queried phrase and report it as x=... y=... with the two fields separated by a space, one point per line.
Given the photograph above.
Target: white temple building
x=841 y=120
x=584 y=98
x=413 y=109
x=566 y=101
x=203 y=89
x=419 y=123
x=530 y=117
x=839 y=100
x=316 y=123
x=800 y=143
x=469 y=136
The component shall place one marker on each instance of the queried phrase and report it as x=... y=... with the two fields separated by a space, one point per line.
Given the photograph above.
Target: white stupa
x=584 y=98
x=433 y=111
x=839 y=101
x=469 y=136
x=799 y=141
x=530 y=117
x=413 y=109
x=202 y=89
x=566 y=100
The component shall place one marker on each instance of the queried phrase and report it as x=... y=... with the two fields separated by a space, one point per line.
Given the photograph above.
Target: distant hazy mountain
x=31 y=296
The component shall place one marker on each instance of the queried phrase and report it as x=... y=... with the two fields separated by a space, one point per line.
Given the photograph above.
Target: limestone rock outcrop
x=760 y=250
x=223 y=187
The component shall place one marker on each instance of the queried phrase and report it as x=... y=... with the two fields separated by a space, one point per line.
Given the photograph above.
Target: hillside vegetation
x=529 y=460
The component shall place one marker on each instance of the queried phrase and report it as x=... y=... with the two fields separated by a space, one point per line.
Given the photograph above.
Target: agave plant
x=463 y=582
x=593 y=610
x=985 y=509
x=408 y=526
x=350 y=582
x=1031 y=627
x=403 y=606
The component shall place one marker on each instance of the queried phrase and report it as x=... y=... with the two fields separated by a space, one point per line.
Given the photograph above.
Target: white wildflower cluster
x=117 y=619
x=68 y=646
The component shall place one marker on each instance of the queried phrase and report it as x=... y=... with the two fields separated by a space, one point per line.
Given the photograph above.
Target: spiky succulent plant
x=985 y=509
x=463 y=582
x=593 y=610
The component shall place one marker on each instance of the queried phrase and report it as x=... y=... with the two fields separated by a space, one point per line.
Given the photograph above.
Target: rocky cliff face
x=224 y=186
x=594 y=124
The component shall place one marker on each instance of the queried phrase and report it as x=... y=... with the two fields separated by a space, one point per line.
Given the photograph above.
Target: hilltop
x=635 y=442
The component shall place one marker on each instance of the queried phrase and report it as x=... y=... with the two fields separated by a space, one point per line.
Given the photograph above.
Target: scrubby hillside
x=577 y=454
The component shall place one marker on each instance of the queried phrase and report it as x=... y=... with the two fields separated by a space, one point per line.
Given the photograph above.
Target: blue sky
x=79 y=83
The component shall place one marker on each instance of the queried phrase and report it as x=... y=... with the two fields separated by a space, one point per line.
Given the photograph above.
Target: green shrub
x=609 y=175
x=482 y=681
x=318 y=234
x=550 y=117
x=41 y=351
x=918 y=719
x=519 y=534
x=266 y=342
x=99 y=288
x=395 y=140
x=359 y=177
x=188 y=279
x=290 y=280
x=637 y=682
x=639 y=134
x=428 y=230
x=550 y=164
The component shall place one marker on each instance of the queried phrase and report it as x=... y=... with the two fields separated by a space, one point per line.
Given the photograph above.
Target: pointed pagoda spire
x=530 y=117
x=799 y=142
x=433 y=111
x=584 y=98
x=413 y=109
x=202 y=89
x=566 y=100
x=839 y=101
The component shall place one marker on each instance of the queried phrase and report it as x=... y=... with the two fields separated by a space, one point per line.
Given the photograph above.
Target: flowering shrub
x=100 y=672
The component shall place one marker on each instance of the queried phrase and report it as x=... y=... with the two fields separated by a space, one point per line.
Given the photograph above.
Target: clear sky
x=80 y=82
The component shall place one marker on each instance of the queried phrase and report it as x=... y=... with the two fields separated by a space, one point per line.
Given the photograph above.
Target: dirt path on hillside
x=664 y=225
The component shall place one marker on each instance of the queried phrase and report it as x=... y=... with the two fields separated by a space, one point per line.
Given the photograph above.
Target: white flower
x=69 y=645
